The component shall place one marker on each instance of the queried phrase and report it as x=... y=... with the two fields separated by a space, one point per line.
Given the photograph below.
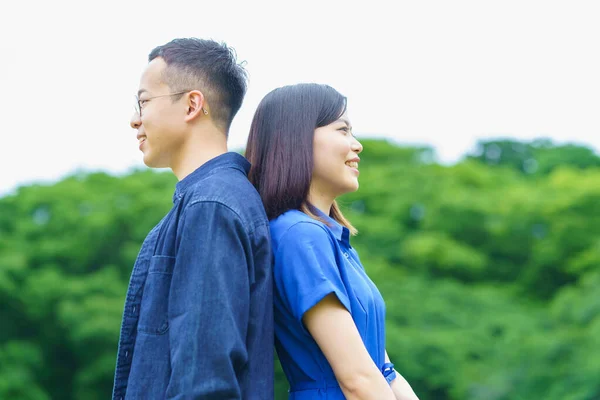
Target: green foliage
x=489 y=269
x=20 y=362
x=539 y=156
x=66 y=253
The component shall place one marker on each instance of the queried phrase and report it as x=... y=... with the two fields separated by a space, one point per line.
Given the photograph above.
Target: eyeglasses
x=139 y=103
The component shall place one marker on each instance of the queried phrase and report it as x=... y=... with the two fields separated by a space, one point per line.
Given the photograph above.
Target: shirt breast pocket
x=154 y=318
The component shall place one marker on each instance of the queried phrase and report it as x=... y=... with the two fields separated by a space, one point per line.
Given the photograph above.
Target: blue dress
x=312 y=260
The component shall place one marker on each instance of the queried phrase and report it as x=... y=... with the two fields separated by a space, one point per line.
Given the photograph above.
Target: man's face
x=161 y=128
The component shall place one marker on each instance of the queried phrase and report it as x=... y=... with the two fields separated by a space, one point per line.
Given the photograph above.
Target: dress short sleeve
x=306 y=269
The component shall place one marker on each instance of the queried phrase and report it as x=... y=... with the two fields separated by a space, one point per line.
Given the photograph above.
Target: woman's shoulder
x=295 y=224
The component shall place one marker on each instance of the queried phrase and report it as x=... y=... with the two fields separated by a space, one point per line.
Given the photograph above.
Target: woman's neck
x=321 y=201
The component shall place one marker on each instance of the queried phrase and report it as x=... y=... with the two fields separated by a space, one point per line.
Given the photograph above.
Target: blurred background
x=478 y=212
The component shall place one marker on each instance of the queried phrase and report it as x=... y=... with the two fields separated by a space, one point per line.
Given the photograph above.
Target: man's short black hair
x=210 y=67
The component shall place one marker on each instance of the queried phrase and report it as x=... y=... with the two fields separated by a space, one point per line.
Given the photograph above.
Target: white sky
x=442 y=73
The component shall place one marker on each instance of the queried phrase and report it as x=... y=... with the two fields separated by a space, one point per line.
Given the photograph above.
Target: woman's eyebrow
x=346 y=122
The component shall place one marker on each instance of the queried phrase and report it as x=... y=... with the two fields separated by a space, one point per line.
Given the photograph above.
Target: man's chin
x=150 y=163
x=147 y=162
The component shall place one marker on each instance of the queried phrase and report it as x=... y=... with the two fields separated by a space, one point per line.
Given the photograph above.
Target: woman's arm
x=400 y=386
x=333 y=328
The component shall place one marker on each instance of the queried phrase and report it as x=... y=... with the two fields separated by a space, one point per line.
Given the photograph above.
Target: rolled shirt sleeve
x=306 y=270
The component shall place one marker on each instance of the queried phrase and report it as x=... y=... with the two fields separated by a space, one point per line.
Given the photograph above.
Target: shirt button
x=126 y=354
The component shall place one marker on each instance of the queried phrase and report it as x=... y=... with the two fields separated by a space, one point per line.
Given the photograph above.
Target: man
x=198 y=317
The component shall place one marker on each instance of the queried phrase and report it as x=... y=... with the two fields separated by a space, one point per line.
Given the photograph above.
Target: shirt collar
x=226 y=160
x=341 y=233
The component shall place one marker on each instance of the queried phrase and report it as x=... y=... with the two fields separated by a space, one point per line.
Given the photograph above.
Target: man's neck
x=197 y=151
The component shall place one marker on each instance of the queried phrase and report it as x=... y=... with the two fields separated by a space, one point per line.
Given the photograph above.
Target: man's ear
x=196 y=105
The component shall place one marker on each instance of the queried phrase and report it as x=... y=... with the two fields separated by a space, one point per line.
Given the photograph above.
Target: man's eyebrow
x=141 y=91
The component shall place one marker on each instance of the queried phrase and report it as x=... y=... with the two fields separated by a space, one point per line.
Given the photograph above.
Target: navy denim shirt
x=198 y=317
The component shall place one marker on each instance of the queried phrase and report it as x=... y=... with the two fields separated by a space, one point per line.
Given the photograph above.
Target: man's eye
x=142 y=102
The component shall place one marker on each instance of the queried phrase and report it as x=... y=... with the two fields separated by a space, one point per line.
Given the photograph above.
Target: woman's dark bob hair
x=280 y=146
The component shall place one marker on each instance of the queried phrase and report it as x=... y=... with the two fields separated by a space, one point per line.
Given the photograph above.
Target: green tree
x=489 y=269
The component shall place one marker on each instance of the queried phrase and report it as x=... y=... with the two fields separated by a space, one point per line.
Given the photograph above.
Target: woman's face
x=336 y=159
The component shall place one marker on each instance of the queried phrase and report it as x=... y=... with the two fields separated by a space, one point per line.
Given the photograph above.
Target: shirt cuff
x=389 y=373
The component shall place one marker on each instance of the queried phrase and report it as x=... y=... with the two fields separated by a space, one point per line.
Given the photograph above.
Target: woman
x=329 y=316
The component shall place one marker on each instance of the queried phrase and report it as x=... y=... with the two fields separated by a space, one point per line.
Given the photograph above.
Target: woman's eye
x=347 y=131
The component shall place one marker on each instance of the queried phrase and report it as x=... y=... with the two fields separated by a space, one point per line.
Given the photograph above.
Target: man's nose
x=136 y=121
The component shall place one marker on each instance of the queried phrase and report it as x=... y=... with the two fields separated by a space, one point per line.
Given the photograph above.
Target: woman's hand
x=400 y=386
